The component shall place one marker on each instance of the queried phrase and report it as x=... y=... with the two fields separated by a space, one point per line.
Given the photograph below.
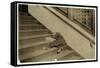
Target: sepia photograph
x=55 y=33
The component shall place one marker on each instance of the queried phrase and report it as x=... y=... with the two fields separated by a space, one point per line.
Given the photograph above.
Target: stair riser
x=28 y=41
x=35 y=25
x=29 y=53
x=30 y=27
x=33 y=33
x=36 y=30
x=30 y=24
x=28 y=21
x=34 y=37
x=50 y=56
x=26 y=17
x=33 y=48
x=47 y=56
x=40 y=57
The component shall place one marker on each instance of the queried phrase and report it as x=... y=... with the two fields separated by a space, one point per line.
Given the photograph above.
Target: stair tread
x=63 y=53
x=53 y=56
x=72 y=56
x=36 y=36
x=35 y=44
x=33 y=30
x=35 y=53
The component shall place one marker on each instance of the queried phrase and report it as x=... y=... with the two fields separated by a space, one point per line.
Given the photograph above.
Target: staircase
x=34 y=42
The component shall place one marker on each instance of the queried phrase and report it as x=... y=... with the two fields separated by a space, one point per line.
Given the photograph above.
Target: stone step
x=36 y=36
x=25 y=17
x=28 y=21
x=36 y=43
x=31 y=27
x=34 y=52
x=51 y=56
x=32 y=40
x=30 y=24
x=72 y=56
x=22 y=34
x=36 y=30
